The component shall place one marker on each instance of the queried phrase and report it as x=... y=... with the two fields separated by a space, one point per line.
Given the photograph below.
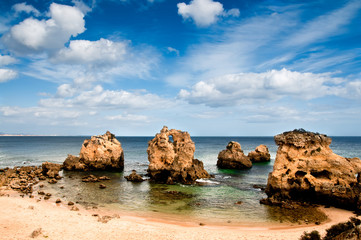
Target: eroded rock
x=174 y=159
x=103 y=152
x=233 y=157
x=306 y=169
x=51 y=170
x=260 y=154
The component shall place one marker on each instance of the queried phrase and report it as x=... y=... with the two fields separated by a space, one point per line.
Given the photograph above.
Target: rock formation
x=134 y=177
x=103 y=152
x=21 y=179
x=233 y=157
x=173 y=161
x=260 y=154
x=306 y=169
x=51 y=170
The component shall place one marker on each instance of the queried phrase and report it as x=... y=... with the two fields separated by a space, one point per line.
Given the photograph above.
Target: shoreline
x=20 y=216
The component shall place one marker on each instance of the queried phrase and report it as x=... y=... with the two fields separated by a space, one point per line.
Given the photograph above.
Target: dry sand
x=19 y=217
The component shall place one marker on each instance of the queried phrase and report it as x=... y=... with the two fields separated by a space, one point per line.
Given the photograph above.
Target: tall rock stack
x=103 y=152
x=306 y=169
x=171 y=159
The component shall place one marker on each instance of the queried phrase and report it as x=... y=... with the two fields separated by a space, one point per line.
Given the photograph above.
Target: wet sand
x=19 y=217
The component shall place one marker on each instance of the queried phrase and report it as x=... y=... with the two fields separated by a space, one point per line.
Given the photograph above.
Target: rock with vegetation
x=171 y=158
x=260 y=154
x=233 y=157
x=349 y=230
x=306 y=169
x=103 y=152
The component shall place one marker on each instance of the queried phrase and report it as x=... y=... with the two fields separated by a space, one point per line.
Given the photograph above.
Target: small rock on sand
x=36 y=233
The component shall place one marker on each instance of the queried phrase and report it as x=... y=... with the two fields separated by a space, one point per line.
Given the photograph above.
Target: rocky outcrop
x=306 y=169
x=233 y=157
x=21 y=179
x=134 y=177
x=173 y=161
x=51 y=170
x=103 y=152
x=260 y=154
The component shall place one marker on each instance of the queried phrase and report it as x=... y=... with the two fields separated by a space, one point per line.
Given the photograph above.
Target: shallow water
x=229 y=197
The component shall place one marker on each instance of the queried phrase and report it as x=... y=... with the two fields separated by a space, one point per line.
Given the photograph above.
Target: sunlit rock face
x=103 y=152
x=305 y=168
x=233 y=157
x=171 y=158
x=260 y=154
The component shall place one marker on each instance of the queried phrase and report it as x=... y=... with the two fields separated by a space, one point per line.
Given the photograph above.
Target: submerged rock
x=134 y=177
x=260 y=154
x=233 y=157
x=306 y=169
x=103 y=152
x=173 y=161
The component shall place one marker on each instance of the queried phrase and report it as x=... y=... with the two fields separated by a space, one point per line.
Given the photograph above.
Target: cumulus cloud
x=23 y=7
x=6 y=60
x=204 y=12
x=7 y=74
x=102 y=51
x=65 y=90
x=271 y=85
x=33 y=35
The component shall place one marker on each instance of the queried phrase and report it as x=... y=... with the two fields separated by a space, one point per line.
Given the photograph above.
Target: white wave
x=207 y=181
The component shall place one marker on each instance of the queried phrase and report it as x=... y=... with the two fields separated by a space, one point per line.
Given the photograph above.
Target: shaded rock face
x=134 y=177
x=103 y=152
x=260 y=154
x=51 y=170
x=233 y=157
x=173 y=161
x=306 y=169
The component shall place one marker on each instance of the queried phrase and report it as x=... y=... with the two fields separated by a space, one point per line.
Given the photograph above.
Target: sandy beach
x=20 y=217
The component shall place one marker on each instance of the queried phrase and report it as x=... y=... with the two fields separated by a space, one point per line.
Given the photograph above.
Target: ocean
x=230 y=197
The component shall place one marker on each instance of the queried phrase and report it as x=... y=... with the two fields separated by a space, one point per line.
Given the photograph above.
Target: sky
x=212 y=68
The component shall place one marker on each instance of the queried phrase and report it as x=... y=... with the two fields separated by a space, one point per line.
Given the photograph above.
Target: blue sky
x=239 y=68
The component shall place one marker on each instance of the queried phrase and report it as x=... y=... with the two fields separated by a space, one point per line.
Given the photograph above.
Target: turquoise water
x=229 y=197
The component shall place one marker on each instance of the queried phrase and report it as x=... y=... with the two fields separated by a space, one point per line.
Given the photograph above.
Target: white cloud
x=321 y=28
x=204 y=12
x=7 y=74
x=234 y=12
x=23 y=7
x=106 y=99
x=101 y=52
x=272 y=85
x=6 y=60
x=38 y=112
x=32 y=35
x=173 y=50
x=128 y=118
x=82 y=6
x=65 y=90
